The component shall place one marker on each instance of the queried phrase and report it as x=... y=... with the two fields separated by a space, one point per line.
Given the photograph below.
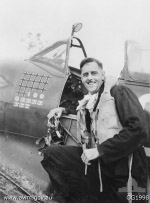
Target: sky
x=107 y=24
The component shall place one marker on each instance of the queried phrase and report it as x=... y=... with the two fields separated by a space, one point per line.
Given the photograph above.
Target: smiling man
x=92 y=75
x=111 y=129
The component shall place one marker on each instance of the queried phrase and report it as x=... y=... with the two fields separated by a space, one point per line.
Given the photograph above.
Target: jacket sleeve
x=132 y=118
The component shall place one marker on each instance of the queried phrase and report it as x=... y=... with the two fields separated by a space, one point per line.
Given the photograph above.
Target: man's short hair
x=89 y=60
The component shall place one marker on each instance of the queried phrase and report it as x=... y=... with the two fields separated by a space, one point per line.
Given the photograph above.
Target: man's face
x=92 y=77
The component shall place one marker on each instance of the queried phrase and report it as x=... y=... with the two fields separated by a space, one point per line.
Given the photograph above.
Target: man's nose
x=90 y=76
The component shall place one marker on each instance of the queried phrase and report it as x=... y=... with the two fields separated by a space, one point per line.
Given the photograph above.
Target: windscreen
x=57 y=56
x=54 y=56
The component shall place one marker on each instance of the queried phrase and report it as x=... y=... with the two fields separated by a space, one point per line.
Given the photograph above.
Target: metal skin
x=22 y=124
x=28 y=91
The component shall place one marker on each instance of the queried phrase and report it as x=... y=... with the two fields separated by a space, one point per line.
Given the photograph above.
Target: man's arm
x=132 y=118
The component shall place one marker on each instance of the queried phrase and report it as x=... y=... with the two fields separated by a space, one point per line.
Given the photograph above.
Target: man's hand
x=89 y=154
x=55 y=113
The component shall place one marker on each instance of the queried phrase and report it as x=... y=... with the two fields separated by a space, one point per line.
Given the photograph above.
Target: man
x=111 y=129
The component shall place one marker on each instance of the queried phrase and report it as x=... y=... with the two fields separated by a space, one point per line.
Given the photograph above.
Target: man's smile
x=92 y=77
x=91 y=82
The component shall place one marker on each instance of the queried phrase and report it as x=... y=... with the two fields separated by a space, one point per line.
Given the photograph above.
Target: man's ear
x=103 y=75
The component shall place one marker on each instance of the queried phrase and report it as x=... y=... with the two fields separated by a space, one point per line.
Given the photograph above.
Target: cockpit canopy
x=137 y=63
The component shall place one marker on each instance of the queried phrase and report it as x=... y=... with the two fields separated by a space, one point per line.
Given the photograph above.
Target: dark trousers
x=67 y=174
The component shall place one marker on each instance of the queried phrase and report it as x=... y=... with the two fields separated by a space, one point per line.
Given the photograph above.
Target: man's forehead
x=92 y=63
x=91 y=66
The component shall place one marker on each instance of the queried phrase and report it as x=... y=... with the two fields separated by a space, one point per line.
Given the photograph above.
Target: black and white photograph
x=74 y=101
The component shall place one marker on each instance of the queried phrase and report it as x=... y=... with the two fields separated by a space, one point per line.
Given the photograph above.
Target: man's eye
x=85 y=74
x=94 y=73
